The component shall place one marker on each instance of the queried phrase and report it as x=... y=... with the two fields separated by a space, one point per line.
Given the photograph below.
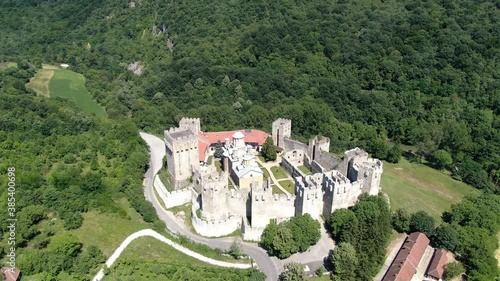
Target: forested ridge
x=423 y=73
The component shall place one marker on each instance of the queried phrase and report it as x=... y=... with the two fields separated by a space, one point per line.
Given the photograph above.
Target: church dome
x=238 y=135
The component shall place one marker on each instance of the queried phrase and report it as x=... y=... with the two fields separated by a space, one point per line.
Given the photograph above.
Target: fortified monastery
x=240 y=197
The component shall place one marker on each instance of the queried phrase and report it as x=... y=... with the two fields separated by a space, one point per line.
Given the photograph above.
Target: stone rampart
x=294 y=145
x=214 y=228
x=174 y=198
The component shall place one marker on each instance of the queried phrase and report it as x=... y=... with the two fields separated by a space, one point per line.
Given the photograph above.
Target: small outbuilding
x=435 y=271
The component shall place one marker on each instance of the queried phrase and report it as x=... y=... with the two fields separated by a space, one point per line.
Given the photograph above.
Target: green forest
x=368 y=73
x=422 y=73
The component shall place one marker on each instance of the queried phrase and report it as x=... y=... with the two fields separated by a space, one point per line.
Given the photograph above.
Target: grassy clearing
x=5 y=65
x=304 y=170
x=279 y=173
x=71 y=85
x=418 y=187
x=288 y=185
x=107 y=231
x=40 y=82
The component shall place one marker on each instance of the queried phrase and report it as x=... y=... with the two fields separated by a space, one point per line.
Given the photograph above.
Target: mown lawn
x=418 y=187
x=71 y=85
x=304 y=170
x=279 y=173
x=288 y=185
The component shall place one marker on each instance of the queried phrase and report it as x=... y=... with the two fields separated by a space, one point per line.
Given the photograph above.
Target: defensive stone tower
x=309 y=196
x=214 y=194
x=192 y=124
x=182 y=154
x=316 y=145
x=357 y=166
x=339 y=192
x=282 y=128
x=262 y=199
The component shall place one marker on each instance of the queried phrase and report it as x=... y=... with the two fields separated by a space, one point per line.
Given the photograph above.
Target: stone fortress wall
x=332 y=184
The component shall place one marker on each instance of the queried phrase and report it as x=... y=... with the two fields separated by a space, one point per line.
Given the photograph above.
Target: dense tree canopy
x=420 y=73
x=366 y=227
x=287 y=238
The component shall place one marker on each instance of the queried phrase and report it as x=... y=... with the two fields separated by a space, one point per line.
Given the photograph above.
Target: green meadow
x=71 y=85
x=418 y=187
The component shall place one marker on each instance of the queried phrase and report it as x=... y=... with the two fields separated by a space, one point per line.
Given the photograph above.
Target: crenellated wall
x=266 y=206
x=309 y=197
x=214 y=228
x=339 y=192
x=239 y=203
x=174 y=198
x=192 y=124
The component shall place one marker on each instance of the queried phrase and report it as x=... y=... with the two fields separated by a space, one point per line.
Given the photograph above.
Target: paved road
x=268 y=265
x=154 y=234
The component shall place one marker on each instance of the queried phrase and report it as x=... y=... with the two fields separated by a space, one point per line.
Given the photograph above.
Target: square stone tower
x=282 y=128
x=192 y=124
x=182 y=154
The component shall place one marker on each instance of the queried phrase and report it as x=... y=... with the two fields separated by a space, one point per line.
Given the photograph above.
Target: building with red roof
x=436 y=267
x=405 y=264
x=256 y=138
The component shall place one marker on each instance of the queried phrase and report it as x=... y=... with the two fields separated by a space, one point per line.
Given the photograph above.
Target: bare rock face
x=136 y=67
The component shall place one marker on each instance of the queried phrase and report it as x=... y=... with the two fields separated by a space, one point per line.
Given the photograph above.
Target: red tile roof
x=209 y=138
x=439 y=260
x=10 y=275
x=405 y=264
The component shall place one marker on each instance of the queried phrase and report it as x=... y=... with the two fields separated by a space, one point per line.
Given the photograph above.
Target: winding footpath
x=154 y=234
x=270 y=266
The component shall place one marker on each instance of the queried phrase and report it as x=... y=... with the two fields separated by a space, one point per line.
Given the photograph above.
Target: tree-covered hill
x=423 y=73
